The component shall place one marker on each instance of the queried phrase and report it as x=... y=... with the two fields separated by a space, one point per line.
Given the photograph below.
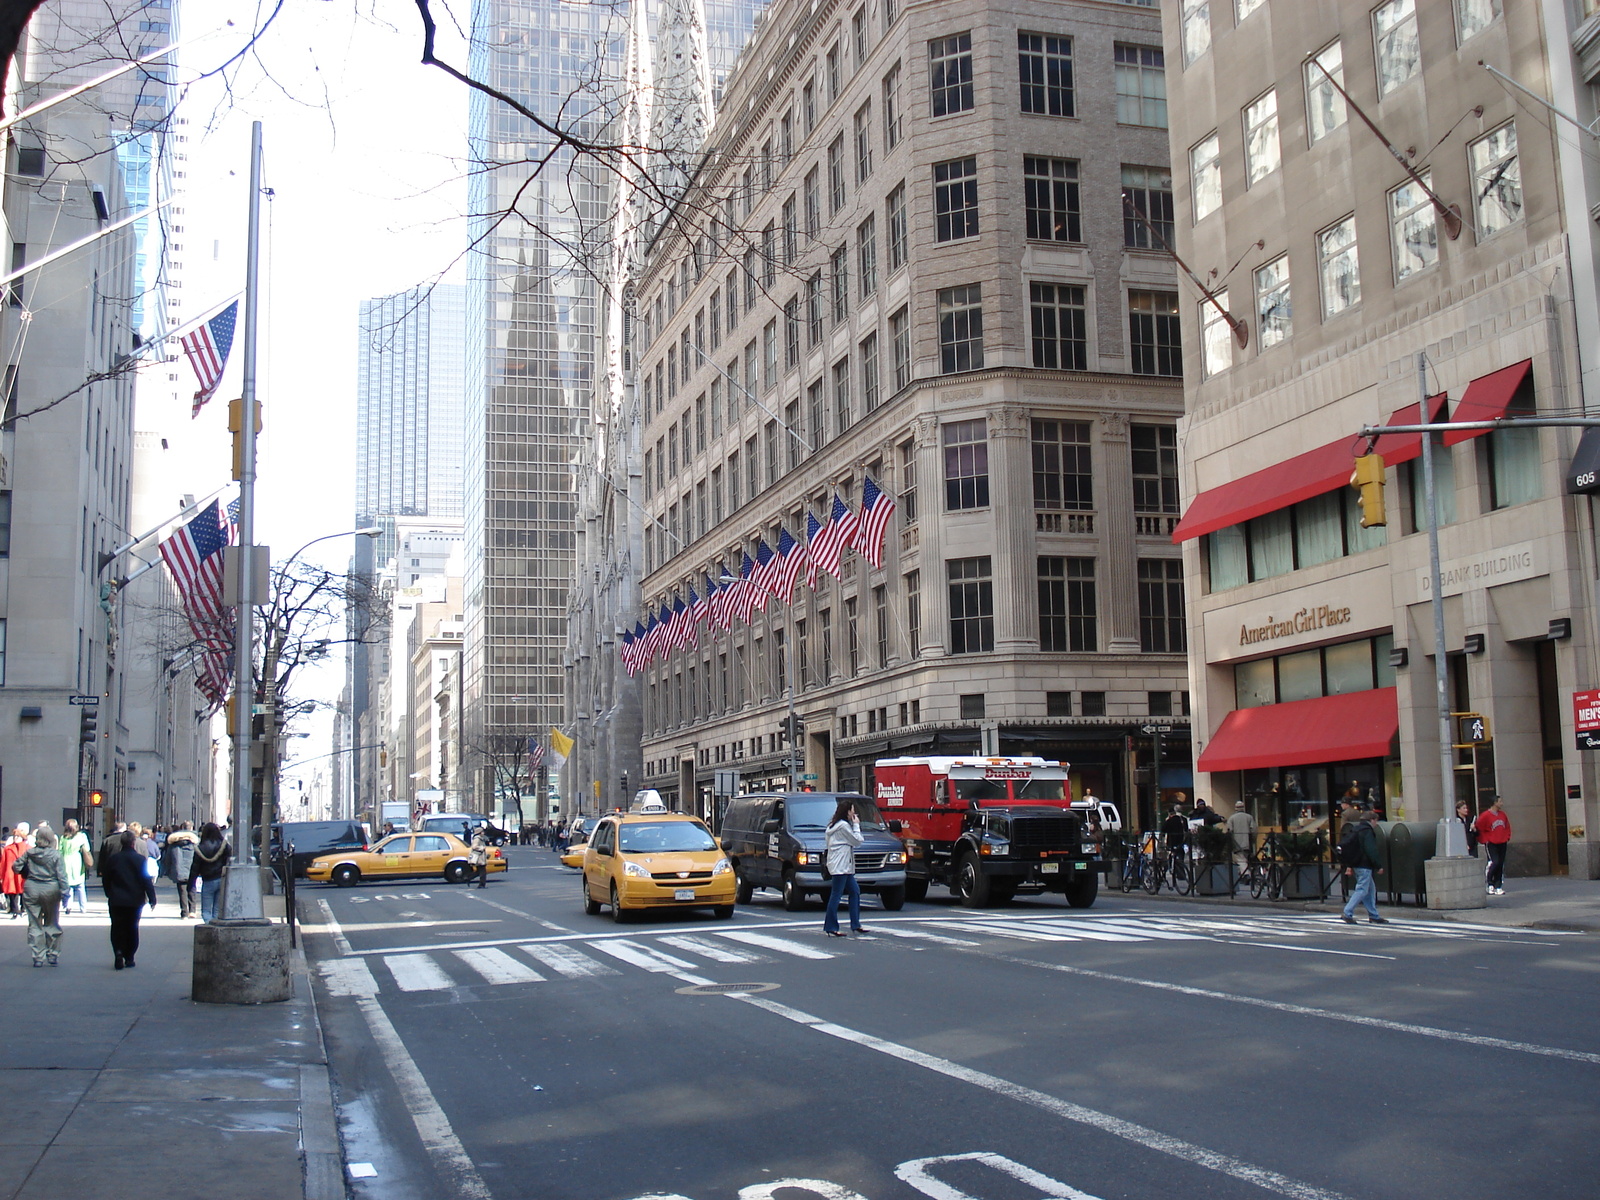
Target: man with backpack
x=1358 y=855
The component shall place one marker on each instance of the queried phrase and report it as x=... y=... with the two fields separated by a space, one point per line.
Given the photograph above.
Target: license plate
x=1050 y=868
x=683 y=894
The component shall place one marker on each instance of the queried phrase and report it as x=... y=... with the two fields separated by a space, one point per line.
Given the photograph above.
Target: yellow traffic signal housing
x=1367 y=479
x=236 y=427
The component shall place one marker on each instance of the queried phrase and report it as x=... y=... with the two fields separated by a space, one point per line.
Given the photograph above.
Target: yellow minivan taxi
x=636 y=861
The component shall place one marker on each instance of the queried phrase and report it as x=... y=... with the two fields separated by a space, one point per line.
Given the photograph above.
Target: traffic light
x=96 y=798
x=1367 y=479
x=88 y=722
x=236 y=427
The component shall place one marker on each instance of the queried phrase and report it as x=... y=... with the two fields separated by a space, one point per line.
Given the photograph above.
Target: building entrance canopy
x=1356 y=725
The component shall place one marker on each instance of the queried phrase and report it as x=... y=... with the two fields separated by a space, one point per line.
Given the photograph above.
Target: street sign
x=727 y=783
x=86 y=701
x=1586 y=718
x=809 y=778
x=1155 y=728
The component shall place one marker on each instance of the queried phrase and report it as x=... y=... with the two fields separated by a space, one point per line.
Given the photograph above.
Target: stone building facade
x=1312 y=638
x=907 y=257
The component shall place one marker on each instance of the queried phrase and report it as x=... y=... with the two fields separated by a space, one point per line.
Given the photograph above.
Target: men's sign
x=1586 y=718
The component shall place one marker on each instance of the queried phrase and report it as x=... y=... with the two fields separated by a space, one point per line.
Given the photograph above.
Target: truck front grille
x=870 y=862
x=1045 y=833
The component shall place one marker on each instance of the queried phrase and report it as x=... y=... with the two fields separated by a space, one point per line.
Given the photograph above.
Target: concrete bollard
x=241 y=962
x=1456 y=883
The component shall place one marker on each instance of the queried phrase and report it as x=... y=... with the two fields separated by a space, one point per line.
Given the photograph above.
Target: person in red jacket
x=1494 y=834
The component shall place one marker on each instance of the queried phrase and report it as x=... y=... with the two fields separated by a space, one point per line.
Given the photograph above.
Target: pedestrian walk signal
x=1472 y=729
x=96 y=798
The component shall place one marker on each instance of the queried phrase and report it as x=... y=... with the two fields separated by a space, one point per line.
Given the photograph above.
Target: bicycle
x=1266 y=870
x=1181 y=870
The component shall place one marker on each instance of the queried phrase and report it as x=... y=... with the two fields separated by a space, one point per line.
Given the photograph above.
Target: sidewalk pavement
x=118 y=1084
x=1534 y=902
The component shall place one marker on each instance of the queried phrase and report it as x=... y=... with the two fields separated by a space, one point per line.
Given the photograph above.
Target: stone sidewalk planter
x=1455 y=883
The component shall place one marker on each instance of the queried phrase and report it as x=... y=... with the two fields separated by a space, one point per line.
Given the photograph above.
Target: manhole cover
x=722 y=989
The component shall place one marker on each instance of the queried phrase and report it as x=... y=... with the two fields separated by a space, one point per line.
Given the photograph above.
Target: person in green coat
x=75 y=859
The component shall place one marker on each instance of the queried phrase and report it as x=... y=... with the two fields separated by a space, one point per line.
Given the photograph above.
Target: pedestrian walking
x=210 y=857
x=10 y=882
x=44 y=882
x=111 y=844
x=478 y=855
x=128 y=887
x=76 y=860
x=181 y=843
x=144 y=841
x=1464 y=815
x=1242 y=828
x=844 y=835
x=1358 y=855
x=1494 y=835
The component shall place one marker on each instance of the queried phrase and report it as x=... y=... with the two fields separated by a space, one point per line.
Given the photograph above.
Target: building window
x=1205 y=177
x=1496 y=180
x=955 y=199
x=836 y=185
x=1141 y=85
x=1325 y=109
x=863 y=132
x=1050 y=190
x=1058 y=704
x=961 y=329
x=1154 y=453
x=1474 y=16
x=714 y=319
x=880 y=623
x=1161 y=628
x=1261 y=151
x=791 y=423
x=1411 y=221
x=831 y=72
x=1063 y=472
x=791 y=332
x=1195 y=29
x=752 y=279
x=791 y=232
x=813 y=199
x=1274 y=317
x=867 y=255
x=817 y=414
x=895 y=207
x=971 y=605
x=808 y=106
x=1060 y=337
x=1216 y=339
x=972 y=706
x=773 y=469
x=858 y=32
x=869 y=372
x=814 y=309
x=5 y=531
x=752 y=378
x=900 y=336
x=1157 y=347
x=1394 y=34
x=1242 y=9
x=966 y=465
x=1044 y=66
x=841 y=395
x=1092 y=704
x=769 y=355
x=852 y=639
x=950 y=74
x=30 y=160
x=1514 y=459
x=1338 y=267
x=891 y=108
x=839 y=273
x=908 y=482
x=914 y=615
x=1148 y=191
x=825 y=630
x=1068 y=619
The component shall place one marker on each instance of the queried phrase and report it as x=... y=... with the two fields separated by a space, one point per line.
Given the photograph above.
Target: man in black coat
x=128 y=887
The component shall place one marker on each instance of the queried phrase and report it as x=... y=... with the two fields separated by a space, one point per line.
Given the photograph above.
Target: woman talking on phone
x=844 y=835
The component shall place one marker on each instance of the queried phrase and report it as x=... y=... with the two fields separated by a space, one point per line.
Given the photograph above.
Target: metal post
x=1441 y=666
x=788 y=678
x=1155 y=779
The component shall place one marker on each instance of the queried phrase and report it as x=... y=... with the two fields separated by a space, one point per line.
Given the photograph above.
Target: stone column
x=1015 y=570
x=930 y=538
x=1118 y=585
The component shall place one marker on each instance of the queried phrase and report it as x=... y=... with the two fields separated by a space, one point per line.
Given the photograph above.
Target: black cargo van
x=779 y=840
x=313 y=838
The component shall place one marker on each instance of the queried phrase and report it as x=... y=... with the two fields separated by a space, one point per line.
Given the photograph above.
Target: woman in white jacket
x=844 y=835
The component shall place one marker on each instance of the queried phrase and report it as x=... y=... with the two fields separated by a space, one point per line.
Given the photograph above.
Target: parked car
x=779 y=840
x=402 y=856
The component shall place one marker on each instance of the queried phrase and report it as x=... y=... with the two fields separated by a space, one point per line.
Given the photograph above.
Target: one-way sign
x=1155 y=728
x=88 y=701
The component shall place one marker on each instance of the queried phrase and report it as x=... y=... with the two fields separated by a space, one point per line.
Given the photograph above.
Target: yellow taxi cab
x=403 y=856
x=652 y=858
x=574 y=856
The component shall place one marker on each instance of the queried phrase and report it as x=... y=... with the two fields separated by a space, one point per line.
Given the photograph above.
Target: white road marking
x=768 y=942
x=711 y=950
x=417 y=973
x=347 y=977
x=899 y=931
x=1304 y=1010
x=1143 y=931
x=638 y=956
x=916 y=1173
x=564 y=960
x=1302 y=949
x=378 y=926
x=817 y=1187
x=433 y=1127
x=1139 y=1135
x=339 y=939
x=499 y=967
x=517 y=912
x=994 y=929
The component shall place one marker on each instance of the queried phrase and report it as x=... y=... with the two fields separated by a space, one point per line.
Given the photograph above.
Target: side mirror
x=895 y=827
x=727 y=846
x=606 y=850
x=771 y=826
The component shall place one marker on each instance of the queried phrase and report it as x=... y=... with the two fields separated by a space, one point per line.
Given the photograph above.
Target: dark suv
x=311 y=838
x=779 y=840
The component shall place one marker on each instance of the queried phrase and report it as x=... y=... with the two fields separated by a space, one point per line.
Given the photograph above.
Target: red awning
x=1329 y=729
x=1486 y=400
x=1299 y=478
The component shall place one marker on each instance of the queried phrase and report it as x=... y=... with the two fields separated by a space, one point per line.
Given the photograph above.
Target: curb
x=321 y=1156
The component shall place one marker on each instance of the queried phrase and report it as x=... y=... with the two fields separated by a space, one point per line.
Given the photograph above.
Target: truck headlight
x=995 y=848
x=1089 y=848
x=722 y=868
x=634 y=871
x=896 y=859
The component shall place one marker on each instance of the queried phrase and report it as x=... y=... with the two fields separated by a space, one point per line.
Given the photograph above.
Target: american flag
x=683 y=618
x=652 y=641
x=700 y=607
x=813 y=527
x=625 y=653
x=663 y=637
x=230 y=520
x=194 y=556
x=766 y=576
x=637 y=649
x=207 y=346
x=876 y=509
x=745 y=600
x=535 y=756
x=839 y=532
x=717 y=600
x=793 y=555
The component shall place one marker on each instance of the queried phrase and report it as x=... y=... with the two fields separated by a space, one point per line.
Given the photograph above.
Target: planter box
x=1216 y=879
x=1306 y=881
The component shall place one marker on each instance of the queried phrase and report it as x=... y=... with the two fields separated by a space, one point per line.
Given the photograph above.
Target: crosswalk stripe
x=919 y=935
x=994 y=929
x=417 y=973
x=1097 y=931
x=711 y=950
x=564 y=960
x=640 y=956
x=497 y=966
x=1147 y=931
x=767 y=942
x=348 y=977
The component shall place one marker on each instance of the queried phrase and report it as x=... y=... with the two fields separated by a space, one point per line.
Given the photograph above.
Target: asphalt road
x=499 y=1043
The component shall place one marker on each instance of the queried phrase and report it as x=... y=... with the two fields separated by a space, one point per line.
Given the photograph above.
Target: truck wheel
x=894 y=899
x=793 y=898
x=743 y=889
x=1083 y=889
x=590 y=904
x=916 y=890
x=974 y=884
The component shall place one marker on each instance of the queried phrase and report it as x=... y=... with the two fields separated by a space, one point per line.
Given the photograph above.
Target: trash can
x=1409 y=845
